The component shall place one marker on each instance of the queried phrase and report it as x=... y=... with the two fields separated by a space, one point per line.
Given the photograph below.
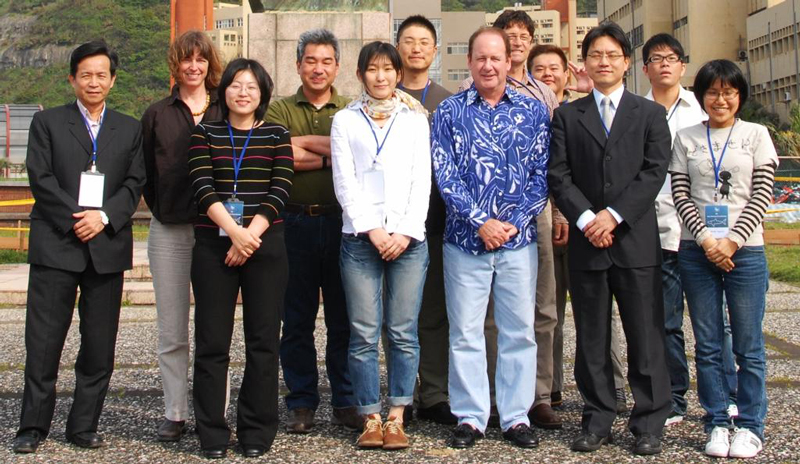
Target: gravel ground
x=134 y=408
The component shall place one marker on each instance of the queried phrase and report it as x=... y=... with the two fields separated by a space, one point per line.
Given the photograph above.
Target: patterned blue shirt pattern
x=491 y=163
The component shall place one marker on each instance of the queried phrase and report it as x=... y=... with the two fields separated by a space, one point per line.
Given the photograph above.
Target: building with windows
x=772 y=49
x=230 y=31
x=707 y=30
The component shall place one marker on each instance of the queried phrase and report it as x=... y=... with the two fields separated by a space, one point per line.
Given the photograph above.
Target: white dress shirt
x=685 y=112
x=615 y=96
x=404 y=160
x=94 y=126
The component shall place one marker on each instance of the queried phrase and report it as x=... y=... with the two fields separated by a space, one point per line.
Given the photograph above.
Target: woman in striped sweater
x=722 y=176
x=241 y=170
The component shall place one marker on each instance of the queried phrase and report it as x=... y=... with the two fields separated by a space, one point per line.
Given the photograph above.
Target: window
x=457 y=48
x=457 y=75
x=681 y=22
x=637 y=36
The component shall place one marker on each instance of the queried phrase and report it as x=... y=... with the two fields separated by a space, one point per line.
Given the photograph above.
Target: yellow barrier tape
x=22 y=202
x=787 y=179
x=15 y=229
x=777 y=211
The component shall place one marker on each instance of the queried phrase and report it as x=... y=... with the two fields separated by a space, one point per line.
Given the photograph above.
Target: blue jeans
x=676 y=348
x=312 y=245
x=366 y=276
x=745 y=290
x=510 y=276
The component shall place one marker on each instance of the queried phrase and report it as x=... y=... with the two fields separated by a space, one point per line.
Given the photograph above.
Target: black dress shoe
x=464 y=436
x=588 y=442
x=647 y=444
x=216 y=452
x=27 y=442
x=90 y=440
x=408 y=414
x=522 y=436
x=439 y=413
x=622 y=401
x=171 y=430
x=253 y=451
x=555 y=399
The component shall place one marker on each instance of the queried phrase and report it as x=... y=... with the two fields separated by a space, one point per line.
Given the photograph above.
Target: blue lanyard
x=424 y=92
x=237 y=161
x=379 y=145
x=92 y=137
x=717 y=166
x=674 y=110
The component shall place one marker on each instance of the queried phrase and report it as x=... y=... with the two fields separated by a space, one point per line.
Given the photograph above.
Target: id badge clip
x=374 y=186
x=717 y=220
x=235 y=208
x=90 y=192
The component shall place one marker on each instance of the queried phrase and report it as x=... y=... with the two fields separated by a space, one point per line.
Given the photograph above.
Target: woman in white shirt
x=382 y=177
x=722 y=176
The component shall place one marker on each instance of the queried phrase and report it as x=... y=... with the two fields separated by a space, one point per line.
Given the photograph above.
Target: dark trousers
x=312 y=244
x=51 y=302
x=641 y=308
x=262 y=280
x=434 y=331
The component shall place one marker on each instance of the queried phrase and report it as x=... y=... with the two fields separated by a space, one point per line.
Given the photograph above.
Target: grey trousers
x=169 y=250
x=545 y=314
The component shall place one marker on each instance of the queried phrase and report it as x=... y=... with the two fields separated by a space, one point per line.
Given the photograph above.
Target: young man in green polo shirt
x=313 y=222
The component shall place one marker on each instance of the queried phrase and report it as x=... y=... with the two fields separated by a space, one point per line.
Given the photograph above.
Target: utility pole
x=771 y=81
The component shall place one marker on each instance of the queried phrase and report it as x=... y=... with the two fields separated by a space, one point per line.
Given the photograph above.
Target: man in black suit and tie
x=609 y=156
x=86 y=173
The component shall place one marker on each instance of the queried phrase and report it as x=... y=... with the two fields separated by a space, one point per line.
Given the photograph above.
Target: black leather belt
x=313 y=210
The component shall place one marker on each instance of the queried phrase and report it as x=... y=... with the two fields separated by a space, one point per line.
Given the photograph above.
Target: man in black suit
x=609 y=157
x=86 y=173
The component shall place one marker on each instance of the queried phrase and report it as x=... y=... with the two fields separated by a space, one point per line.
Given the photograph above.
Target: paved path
x=134 y=406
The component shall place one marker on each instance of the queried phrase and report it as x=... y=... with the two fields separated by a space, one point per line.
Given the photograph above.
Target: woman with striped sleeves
x=722 y=176
x=241 y=170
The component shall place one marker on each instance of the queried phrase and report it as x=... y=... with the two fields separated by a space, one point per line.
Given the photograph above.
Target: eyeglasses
x=729 y=94
x=612 y=57
x=250 y=89
x=424 y=44
x=671 y=59
x=521 y=38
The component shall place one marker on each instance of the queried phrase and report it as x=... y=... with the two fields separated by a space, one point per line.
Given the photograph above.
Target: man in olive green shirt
x=313 y=230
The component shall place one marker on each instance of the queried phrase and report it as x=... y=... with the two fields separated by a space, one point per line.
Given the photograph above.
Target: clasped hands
x=390 y=246
x=90 y=223
x=599 y=230
x=720 y=252
x=495 y=233
x=244 y=242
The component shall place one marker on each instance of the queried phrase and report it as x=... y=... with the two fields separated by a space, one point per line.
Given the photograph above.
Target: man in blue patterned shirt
x=490 y=153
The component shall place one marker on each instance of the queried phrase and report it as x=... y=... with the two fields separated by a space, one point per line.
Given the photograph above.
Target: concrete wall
x=273 y=42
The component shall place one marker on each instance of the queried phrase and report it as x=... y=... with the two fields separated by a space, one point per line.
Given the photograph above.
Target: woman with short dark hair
x=166 y=129
x=382 y=178
x=241 y=170
x=722 y=176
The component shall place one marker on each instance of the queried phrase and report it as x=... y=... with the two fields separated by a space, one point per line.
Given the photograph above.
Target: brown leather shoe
x=372 y=437
x=394 y=437
x=348 y=417
x=301 y=420
x=544 y=417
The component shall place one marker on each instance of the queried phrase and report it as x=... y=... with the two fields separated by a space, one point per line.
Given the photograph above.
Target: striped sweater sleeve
x=687 y=209
x=280 y=183
x=756 y=207
x=201 y=171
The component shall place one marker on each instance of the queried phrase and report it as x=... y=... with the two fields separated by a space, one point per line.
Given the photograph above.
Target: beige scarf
x=383 y=109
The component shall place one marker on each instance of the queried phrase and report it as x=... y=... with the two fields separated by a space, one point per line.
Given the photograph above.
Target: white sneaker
x=733 y=411
x=673 y=418
x=745 y=444
x=718 y=443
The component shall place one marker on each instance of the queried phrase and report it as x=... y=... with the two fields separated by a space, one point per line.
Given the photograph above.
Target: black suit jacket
x=624 y=171
x=59 y=149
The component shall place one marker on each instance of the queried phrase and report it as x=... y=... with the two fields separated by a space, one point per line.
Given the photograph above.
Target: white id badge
x=374 y=186
x=235 y=208
x=717 y=220
x=90 y=192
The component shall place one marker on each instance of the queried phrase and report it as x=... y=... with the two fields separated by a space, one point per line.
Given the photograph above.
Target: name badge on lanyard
x=373 y=181
x=233 y=205
x=92 y=183
x=716 y=215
